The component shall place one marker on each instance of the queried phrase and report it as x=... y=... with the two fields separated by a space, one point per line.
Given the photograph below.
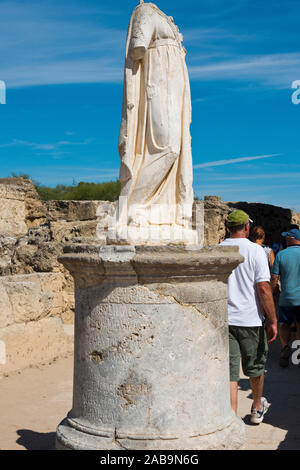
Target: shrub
x=81 y=192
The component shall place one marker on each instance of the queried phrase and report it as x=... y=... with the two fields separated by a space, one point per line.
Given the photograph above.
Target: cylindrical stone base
x=151 y=349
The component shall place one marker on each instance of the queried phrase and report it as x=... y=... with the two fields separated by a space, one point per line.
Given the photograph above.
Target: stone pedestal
x=151 y=349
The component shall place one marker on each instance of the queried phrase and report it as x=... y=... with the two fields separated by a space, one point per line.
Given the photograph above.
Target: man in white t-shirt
x=249 y=294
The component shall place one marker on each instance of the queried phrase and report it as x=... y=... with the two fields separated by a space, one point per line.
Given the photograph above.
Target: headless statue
x=154 y=141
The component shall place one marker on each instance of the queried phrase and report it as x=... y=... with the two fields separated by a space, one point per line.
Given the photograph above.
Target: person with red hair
x=258 y=236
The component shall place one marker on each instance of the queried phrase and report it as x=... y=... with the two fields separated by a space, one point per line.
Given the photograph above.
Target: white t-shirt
x=243 y=302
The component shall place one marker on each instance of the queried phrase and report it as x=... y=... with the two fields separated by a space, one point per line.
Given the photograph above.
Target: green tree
x=83 y=191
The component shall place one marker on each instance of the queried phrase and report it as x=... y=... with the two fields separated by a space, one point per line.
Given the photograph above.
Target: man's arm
x=274 y=281
x=266 y=298
x=272 y=258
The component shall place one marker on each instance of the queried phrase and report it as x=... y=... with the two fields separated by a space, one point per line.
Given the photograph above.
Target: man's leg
x=286 y=317
x=297 y=318
x=298 y=330
x=257 y=385
x=234 y=396
x=234 y=366
x=254 y=350
x=284 y=334
x=260 y=405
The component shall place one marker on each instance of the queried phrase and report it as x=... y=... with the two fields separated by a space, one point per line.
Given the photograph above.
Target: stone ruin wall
x=37 y=308
x=273 y=219
x=37 y=293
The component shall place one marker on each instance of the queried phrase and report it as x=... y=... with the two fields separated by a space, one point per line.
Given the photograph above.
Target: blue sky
x=62 y=62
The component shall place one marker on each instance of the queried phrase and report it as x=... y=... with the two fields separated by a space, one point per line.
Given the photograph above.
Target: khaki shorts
x=250 y=345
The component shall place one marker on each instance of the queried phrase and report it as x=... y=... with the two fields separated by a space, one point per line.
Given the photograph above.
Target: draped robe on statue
x=154 y=141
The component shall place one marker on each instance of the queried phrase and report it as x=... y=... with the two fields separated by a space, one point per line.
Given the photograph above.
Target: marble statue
x=154 y=141
x=151 y=329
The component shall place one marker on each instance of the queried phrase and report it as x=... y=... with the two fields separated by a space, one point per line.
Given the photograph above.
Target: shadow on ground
x=32 y=440
x=282 y=390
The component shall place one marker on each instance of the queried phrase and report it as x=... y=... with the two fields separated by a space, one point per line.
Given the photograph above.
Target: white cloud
x=43 y=43
x=63 y=72
x=39 y=146
x=263 y=176
x=278 y=70
x=207 y=35
x=234 y=160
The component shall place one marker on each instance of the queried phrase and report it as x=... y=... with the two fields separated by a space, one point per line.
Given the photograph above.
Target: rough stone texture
x=12 y=209
x=71 y=211
x=7 y=249
x=274 y=219
x=30 y=297
x=21 y=207
x=32 y=232
x=295 y=218
x=31 y=328
x=33 y=343
x=151 y=349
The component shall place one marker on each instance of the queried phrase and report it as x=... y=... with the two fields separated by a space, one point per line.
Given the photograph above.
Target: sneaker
x=257 y=416
x=285 y=356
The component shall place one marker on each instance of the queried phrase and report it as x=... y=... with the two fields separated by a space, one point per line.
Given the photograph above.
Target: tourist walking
x=248 y=289
x=283 y=244
x=258 y=236
x=286 y=269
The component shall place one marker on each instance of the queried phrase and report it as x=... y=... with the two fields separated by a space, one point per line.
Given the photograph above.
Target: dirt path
x=34 y=402
x=281 y=427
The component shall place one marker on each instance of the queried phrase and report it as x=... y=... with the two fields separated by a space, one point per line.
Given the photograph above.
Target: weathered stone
x=7 y=249
x=27 y=298
x=71 y=211
x=208 y=291
x=295 y=218
x=13 y=211
x=23 y=259
x=273 y=219
x=151 y=349
x=36 y=212
x=19 y=198
x=68 y=316
x=33 y=343
x=45 y=257
x=63 y=232
x=40 y=234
